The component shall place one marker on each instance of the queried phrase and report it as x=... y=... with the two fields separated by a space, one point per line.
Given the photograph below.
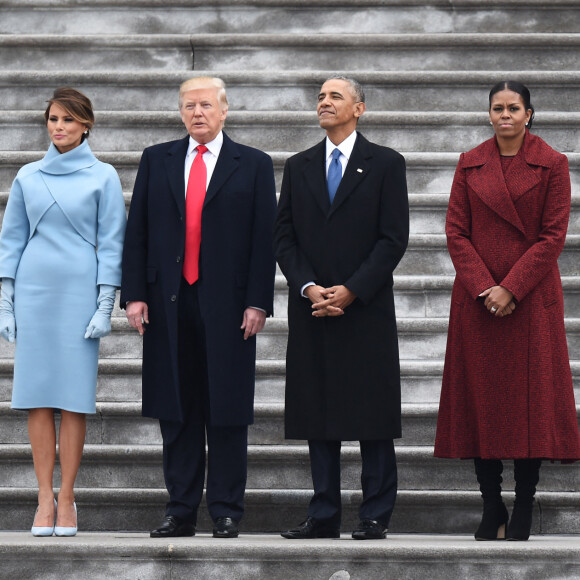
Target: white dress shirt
x=345 y=148
x=210 y=157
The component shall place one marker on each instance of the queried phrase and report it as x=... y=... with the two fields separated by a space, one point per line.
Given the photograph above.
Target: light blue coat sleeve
x=15 y=232
x=111 y=221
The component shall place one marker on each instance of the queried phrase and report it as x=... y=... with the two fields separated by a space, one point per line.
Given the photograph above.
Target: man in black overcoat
x=338 y=248
x=199 y=343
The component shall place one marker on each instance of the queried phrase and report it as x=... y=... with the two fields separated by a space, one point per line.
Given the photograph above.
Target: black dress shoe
x=225 y=528
x=312 y=528
x=173 y=527
x=370 y=530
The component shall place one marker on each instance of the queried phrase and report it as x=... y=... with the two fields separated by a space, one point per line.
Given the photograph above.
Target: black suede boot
x=495 y=516
x=527 y=475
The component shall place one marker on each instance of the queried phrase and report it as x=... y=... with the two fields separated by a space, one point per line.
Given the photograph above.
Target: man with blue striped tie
x=342 y=227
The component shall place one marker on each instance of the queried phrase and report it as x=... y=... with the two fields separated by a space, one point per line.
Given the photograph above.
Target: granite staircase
x=426 y=67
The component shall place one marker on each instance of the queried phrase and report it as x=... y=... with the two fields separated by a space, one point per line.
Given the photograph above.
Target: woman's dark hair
x=518 y=88
x=77 y=105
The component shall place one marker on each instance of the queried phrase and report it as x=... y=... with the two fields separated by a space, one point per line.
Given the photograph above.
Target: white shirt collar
x=345 y=147
x=214 y=147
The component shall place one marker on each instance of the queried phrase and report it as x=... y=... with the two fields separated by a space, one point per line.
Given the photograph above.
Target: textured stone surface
x=281 y=90
x=296 y=16
x=429 y=52
x=135 y=556
x=435 y=511
x=281 y=467
x=285 y=130
x=426 y=173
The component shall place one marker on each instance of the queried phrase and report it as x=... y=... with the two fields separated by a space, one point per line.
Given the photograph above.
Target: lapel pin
x=359 y=170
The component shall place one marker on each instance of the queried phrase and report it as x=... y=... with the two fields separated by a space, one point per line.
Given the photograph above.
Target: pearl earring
x=87 y=131
x=526 y=124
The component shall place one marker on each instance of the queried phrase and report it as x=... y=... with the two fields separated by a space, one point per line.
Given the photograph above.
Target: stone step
x=276 y=90
x=426 y=172
x=297 y=16
x=427 y=214
x=267 y=510
x=119 y=380
x=419 y=338
x=282 y=131
x=260 y=556
x=447 y=51
x=430 y=297
x=427 y=254
x=122 y=424
x=97 y=52
x=282 y=467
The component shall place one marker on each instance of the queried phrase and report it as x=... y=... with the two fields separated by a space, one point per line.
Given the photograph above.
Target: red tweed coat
x=507 y=388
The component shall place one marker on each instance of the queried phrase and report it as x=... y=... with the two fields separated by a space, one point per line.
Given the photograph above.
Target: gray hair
x=355 y=87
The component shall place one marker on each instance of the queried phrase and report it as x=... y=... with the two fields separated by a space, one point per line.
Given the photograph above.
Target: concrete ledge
x=274 y=510
x=132 y=556
x=297 y=40
x=360 y=4
x=277 y=467
x=156 y=89
x=273 y=131
x=290 y=78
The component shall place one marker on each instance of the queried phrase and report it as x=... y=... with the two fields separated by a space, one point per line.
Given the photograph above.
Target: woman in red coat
x=507 y=387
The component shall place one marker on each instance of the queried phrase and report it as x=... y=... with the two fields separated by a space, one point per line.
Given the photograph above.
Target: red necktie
x=194 y=198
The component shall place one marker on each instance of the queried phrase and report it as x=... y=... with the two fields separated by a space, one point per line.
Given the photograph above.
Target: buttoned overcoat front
x=342 y=373
x=236 y=271
x=507 y=388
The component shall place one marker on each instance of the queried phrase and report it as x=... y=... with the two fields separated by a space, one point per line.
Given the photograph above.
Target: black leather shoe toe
x=312 y=528
x=173 y=527
x=225 y=528
x=370 y=530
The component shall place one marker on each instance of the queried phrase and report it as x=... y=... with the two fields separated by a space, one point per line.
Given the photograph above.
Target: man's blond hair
x=205 y=83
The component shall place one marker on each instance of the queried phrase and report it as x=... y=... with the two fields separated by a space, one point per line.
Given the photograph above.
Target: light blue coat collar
x=57 y=163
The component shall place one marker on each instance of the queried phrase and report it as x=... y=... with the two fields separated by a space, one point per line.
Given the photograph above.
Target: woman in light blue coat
x=60 y=264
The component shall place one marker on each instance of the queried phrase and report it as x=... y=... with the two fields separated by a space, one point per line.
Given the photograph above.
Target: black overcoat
x=342 y=373
x=237 y=270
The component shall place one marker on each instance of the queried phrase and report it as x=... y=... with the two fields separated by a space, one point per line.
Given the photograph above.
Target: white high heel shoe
x=66 y=530
x=43 y=530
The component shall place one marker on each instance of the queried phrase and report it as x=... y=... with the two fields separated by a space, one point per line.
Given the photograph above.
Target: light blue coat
x=61 y=237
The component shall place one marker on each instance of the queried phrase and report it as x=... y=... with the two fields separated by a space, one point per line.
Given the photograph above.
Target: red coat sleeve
x=542 y=256
x=469 y=267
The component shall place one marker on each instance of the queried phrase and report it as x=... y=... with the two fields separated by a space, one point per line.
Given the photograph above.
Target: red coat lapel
x=487 y=180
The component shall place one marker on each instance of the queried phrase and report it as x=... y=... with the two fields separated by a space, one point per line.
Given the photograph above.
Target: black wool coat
x=237 y=269
x=342 y=373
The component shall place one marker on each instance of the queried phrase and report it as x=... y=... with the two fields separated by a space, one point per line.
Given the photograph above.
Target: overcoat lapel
x=174 y=164
x=227 y=163
x=526 y=179
x=315 y=176
x=487 y=181
x=357 y=169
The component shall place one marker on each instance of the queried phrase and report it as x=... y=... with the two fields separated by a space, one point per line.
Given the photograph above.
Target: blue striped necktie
x=334 y=174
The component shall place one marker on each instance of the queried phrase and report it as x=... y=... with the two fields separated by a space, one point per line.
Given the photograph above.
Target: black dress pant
x=378 y=479
x=184 y=443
